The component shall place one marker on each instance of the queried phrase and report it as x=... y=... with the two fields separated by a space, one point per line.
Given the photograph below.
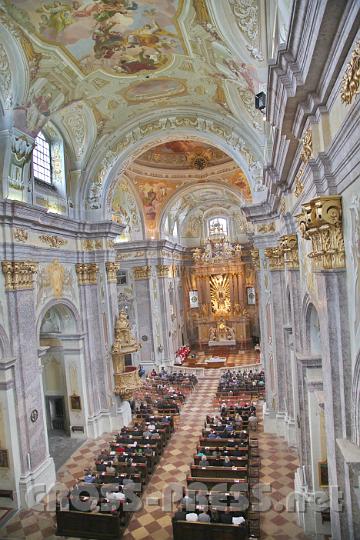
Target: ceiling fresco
x=122 y=36
x=108 y=72
x=162 y=184
x=181 y=154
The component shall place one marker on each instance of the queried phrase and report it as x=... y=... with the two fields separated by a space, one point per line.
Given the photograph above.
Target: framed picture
x=323 y=474
x=194 y=299
x=4 y=459
x=250 y=293
x=75 y=402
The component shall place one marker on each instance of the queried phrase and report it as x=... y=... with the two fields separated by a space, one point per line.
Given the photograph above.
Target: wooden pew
x=186 y=530
x=243 y=449
x=219 y=442
x=88 y=525
x=219 y=472
x=210 y=482
x=239 y=460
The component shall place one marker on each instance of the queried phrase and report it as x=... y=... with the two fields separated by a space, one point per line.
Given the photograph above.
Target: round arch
x=59 y=304
x=187 y=190
x=312 y=336
x=129 y=143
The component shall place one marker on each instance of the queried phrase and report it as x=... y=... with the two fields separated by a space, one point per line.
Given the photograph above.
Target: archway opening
x=62 y=396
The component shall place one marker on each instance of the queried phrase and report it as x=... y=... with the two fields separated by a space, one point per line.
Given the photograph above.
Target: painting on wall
x=153 y=194
x=124 y=36
x=4 y=459
x=75 y=403
x=250 y=293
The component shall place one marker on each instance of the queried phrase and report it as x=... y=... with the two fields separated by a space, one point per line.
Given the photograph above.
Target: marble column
x=94 y=350
x=37 y=467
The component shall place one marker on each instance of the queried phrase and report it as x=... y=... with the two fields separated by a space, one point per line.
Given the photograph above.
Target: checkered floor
x=153 y=522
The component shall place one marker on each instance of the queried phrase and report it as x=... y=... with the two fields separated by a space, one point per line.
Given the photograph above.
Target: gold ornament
x=351 y=80
x=19 y=275
x=87 y=273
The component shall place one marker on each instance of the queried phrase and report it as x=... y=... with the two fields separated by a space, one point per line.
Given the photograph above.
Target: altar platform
x=227 y=357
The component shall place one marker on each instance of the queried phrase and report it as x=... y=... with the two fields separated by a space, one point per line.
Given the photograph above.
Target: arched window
x=42 y=159
x=218 y=226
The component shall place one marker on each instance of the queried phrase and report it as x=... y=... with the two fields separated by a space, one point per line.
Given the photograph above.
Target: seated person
x=191 y=516
x=188 y=502
x=226 y=517
x=89 y=478
x=227 y=462
x=203 y=462
x=100 y=466
x=204 y=517
x=110 y=469
x=180 y=514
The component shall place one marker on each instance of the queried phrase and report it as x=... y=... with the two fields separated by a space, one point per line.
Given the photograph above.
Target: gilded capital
x=289 y=247
x=321 y=222
x=142 y=272
x=111 y=271
x=87 y=273
x=164 y=270
x=275 y=256
x=19 y=275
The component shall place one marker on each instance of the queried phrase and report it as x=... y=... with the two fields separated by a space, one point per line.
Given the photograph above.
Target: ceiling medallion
x=199 y=162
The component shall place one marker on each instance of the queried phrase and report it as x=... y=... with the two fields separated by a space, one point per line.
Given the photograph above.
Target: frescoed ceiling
x=183 y=155
x=166 y=180
x=122 y=58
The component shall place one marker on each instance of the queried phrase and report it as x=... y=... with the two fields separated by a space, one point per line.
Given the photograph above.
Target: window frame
x=219 y=219
x=42 y=135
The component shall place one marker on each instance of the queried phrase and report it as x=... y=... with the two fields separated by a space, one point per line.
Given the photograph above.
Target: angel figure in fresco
x=55 y=16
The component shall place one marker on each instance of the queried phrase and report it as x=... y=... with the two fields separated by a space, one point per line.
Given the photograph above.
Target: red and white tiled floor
x=152 y=522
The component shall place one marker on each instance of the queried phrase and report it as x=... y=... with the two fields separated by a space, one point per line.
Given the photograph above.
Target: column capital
x=111 y=271
x=164 y=270
x=275 y=256
x=19 y=275
x=142 y=272
x=87 y=273
x=321 y=222
x=289 y=246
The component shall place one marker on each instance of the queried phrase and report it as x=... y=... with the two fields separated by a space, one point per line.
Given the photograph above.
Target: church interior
x=180 y=269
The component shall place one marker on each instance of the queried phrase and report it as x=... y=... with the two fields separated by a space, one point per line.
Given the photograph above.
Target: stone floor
x=152 y=522
x=61 y=447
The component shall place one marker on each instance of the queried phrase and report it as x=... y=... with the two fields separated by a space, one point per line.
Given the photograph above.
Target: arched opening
x=60 y=354
x=313 y=328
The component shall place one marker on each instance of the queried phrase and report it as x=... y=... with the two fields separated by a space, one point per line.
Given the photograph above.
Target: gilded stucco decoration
x=351 y=81
x=54 y=279
x=266 y=228
x=307 y=146
x=52 y=241
x=289 y=246
x=19 y=275
x=299 y=184
x=74 y=121
x=275 y=256
x=21 y=235
x=142 y=272
x=92 y=244
x=321 y=222
x=5 y=78
x=87 y=273
x=112 y=269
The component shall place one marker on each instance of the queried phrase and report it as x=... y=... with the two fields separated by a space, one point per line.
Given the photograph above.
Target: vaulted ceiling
x=95 y=67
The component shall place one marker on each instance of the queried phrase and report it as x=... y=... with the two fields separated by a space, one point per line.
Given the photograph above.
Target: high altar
x=220 y=276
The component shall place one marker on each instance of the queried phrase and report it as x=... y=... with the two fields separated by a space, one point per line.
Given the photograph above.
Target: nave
x=278 y=464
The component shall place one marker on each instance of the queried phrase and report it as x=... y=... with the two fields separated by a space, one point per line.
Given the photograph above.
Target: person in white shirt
x=238 y=520
x=191 y=516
